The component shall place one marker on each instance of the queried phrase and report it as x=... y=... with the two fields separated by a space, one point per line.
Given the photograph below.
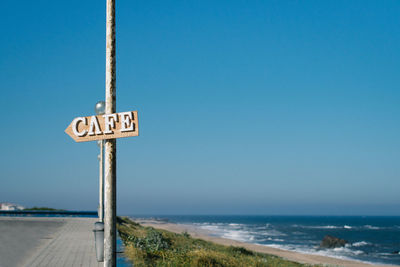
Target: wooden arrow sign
x=108 y=126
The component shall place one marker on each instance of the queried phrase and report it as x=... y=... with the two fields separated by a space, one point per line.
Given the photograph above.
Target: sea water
x=370 y=239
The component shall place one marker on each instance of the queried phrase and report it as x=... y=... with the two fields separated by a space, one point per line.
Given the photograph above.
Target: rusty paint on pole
x=110 y=167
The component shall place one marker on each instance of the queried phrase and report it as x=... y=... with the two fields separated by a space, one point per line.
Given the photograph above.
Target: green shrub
x=186 y=234
x=153 y=242
x=240 y=250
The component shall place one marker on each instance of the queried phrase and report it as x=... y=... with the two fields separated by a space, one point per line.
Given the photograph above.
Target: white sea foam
x=360 y=244
x=275 y=239
x=339 y=253
x=324 y=226
x=263 y=227
x=230 y=231
x=298 y=233
x=345 y=250
x=296 y=237
x=207 y=223
x=271 y=233
x=267 y=234
x=210 y=227
x=238 y=235
x=240 y=232
x=372 y=227
x=327 y=227
x=317 y=226
x=388 y=254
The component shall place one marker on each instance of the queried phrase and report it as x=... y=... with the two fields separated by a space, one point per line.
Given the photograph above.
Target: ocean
x=370 y=239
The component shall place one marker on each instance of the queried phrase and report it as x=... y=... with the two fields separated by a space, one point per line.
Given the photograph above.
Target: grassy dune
x=146 y=246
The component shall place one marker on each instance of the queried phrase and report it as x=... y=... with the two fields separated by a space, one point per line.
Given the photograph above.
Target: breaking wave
x=360 y=244
x=367 y=238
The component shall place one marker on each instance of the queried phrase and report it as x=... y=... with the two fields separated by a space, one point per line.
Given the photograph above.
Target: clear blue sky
x=245 y=107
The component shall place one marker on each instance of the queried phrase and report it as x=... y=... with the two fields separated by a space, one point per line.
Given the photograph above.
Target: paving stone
x=52 y=242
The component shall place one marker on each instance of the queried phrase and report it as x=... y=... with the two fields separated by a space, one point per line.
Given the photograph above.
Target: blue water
x=371 y=239
x=121 y=260
x=44 y=213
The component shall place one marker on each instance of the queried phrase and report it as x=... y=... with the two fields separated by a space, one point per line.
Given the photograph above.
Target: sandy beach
x=290 y=255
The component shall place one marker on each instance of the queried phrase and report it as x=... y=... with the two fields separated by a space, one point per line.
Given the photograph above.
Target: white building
x=10 y=206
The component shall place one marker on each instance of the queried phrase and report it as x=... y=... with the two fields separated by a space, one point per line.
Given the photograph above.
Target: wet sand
x=289 y=255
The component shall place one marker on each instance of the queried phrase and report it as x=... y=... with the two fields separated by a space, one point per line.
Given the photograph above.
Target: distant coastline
x=42 y=209
x=50 y=213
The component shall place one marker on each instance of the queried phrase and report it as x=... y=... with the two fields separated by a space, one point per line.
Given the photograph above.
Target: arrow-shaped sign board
x=108 y=126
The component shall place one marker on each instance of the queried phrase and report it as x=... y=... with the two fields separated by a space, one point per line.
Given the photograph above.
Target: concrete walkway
x=33 y=241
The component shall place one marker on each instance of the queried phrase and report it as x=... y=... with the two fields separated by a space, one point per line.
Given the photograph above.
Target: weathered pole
x=101 y=182
x=110 y=144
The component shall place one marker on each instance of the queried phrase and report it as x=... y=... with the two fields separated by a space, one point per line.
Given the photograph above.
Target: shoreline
x=286 y=254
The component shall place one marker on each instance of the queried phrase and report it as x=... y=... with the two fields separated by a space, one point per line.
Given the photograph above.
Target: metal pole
x=101 y=180
x=110 y=145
